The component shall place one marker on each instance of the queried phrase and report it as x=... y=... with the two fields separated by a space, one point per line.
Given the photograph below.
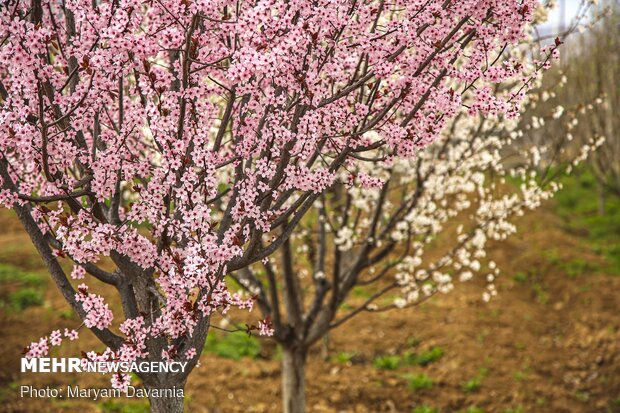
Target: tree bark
x=168 y=403
x=600 y=197
x=293 y=379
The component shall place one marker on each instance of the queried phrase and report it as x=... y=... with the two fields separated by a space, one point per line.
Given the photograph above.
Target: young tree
x=375 y=237
x=371 y=228
x=186 y=140
x=592 y=69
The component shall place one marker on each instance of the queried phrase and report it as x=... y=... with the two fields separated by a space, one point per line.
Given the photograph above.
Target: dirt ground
x=550 y=342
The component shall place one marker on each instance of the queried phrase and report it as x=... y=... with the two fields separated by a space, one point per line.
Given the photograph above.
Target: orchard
x=166 y=147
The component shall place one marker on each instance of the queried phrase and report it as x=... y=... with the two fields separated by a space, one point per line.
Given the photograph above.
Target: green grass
x=425 y=409
x=9 y=273
x=413 y=342
x=552 y=256
x=472 y=409
x=577 y=204
x=520 y=375
x=8 y=390
x=418 y=381
x=541 y=401
x=343 y=357
x=114 y=406
x=573 y=268
x=387 y=362
x=233 y=345
x=473 y=385
x=577 y=267
x=360 y=292
x=24 y=298
x=518 y=409
x=520 y=277
x=66 y=313
x=581 y=396
x=542 y=296
x=426 y=357
x=29 y=292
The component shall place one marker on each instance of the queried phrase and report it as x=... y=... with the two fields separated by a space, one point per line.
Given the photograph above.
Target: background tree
x=371 y=228
x=591 y=67
x=185 y=140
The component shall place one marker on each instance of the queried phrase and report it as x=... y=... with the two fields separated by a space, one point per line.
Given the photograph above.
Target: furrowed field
x=549 y=342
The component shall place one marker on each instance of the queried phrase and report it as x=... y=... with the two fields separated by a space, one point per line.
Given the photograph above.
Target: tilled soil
x=549 y=342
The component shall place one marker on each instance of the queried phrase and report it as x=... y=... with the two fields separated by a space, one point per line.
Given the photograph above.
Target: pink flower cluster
x=98 y=314
x=41 y=348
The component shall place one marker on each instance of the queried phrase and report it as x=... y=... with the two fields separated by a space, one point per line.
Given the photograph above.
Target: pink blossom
x=265 y=328
x=190 y=353
x=71 y=334
x=55 y=338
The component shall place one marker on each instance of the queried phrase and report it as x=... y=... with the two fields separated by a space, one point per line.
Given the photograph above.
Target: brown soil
x=548 y=344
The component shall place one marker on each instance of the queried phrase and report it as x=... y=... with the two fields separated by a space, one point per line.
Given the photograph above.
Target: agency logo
x=79 y=365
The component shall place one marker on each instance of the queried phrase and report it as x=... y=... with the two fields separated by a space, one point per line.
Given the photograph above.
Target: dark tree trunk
x=166 y=404
x=170 y=401
x=293 y=379
x=600 y=198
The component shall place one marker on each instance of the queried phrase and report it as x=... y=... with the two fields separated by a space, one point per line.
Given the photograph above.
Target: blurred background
x=550 y=341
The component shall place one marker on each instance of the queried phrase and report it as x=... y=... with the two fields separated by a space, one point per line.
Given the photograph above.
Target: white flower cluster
x=464 y=174
x=344 y=238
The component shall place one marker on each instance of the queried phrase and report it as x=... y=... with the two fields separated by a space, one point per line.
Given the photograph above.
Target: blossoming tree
x=595 y=79
x=372 y=228
x=186 y=140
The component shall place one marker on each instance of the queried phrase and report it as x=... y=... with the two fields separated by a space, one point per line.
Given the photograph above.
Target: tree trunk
x=600 y=197
x=293 y=379
x=325 y=346
x=167 y=403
